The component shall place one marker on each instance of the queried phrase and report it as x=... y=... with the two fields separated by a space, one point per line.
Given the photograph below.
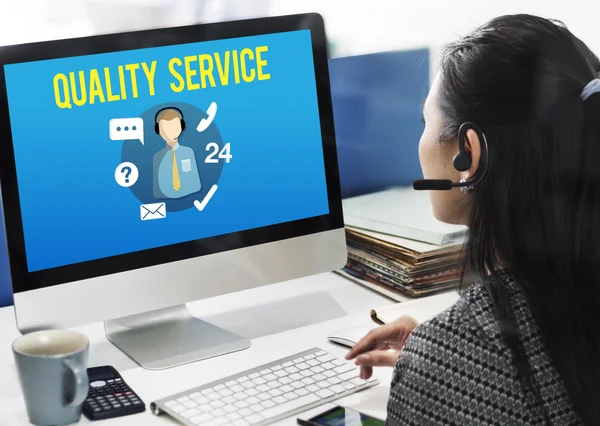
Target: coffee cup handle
x=81 y=382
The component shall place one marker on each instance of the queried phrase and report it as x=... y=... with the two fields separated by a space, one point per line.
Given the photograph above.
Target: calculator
x=109 y=396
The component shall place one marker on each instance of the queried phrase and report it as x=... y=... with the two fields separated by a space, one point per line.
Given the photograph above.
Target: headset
x=156 y=126
x=461 y=162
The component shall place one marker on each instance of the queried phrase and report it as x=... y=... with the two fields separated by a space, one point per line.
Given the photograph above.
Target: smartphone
x=341 y=416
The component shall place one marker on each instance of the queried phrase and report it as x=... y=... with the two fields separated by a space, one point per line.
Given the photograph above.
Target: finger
x=366 y=372
x=372 y=340
x=378 y=359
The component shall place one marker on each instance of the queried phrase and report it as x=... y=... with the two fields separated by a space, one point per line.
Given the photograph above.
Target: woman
x=522 y=345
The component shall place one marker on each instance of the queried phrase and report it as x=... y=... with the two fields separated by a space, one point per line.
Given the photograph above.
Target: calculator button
x=97 y=410
x=118 y=380
x=98 y=384
x=111 y=381
x=117 y=405
x=126 y=404
x=138 y=402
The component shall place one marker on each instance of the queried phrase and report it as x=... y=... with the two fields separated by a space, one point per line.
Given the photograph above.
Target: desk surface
x=280 y=319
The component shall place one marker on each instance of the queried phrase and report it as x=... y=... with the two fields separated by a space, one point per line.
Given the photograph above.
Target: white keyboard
x=267 y=393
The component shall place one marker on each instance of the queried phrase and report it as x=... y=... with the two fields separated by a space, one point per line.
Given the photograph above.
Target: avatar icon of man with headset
x=175 y=168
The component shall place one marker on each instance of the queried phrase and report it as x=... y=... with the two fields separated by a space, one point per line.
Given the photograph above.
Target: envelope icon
x=153 y=211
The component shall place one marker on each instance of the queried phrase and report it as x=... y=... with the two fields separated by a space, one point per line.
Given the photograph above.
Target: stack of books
x=397 y=247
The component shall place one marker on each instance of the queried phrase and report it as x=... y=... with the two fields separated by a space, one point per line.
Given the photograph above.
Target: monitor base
x=170 y=337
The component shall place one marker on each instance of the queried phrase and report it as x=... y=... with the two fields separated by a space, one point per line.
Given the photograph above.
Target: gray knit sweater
x=456 y=370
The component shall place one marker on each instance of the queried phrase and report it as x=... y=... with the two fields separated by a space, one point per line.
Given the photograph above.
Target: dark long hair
x=537 y=209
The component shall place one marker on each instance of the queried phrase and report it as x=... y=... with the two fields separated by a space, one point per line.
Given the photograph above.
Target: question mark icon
x=127 y=171
x=126 y=174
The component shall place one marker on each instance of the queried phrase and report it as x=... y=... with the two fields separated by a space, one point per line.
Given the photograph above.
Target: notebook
x=421 y=309
x=401 y=212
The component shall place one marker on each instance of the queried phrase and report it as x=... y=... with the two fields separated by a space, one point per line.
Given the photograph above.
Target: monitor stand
x=170 y=337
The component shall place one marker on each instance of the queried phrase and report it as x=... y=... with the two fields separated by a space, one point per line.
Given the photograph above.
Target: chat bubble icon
x=126 y=129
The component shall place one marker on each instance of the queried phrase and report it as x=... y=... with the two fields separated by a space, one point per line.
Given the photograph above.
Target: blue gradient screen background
x=74 y=211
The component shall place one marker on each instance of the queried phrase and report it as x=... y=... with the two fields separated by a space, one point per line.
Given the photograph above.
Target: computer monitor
x=144 y=170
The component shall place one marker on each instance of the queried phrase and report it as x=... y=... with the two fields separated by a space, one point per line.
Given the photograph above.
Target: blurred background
x=354 y=27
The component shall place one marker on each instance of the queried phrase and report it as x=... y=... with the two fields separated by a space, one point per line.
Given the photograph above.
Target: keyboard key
x=195 y=395
x=177 y=408
x=257 y=408
x=236 y=388
x=281 y=373
x=213 y=396
x=230 y=383
x=329 y=373
x=358 y=382
x=317 y=369
x=207 y=391
x=328 y=366
x=324 y=393
x=291 y=395
x=274 y=384
x=288 y=406
x=253 y=400
x=344 y=368
x=307 y=357
x=229 y=400
x=301 y=391
x=298 y=360
x=216 y=422
x=180 y=400
x=325 y=358
x=254 y=375
x=240 y=396
x=229 y=409
x=241 y=404
x=243 y=379
x=302 y=366
x=217 y=404
x=245 y=412
x=169 y=404
x=264 y=372
x=252 y=392
x=219 y=387
x=306 y=373
x=190 y=404
x=287 y=364
x=225 y=392
x=324 y=384
x=201 y=419
x=268 y=403
x=297 y=385
x=241 y=423
x=320 y=353
x=188 y=414
x=337 y=362
x=248 y=385
x=259 y=381
x=292 y=370
x=308 y=381
x=312 y=362
x=205 y=408
x=286 y=388
x=285 y=380
x=319 y=377
x=349 y=375
x=276 y=368
x=279 y=399
x=218 y=413
x=334 y=380
x=263 y=396
x=275 y=392
x=269 y=377
x=313 y=388
x=233 y=416
x=255 y=418
x=337 y=389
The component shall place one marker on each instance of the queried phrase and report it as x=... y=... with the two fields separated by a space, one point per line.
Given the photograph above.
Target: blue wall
x=377 y=102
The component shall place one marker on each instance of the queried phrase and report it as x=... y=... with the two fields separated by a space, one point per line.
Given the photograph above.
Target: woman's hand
x=381 y=346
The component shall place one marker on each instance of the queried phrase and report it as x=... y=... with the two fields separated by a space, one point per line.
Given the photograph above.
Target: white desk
x=281 y=319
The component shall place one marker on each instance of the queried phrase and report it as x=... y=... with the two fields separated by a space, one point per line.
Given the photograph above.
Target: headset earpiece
x=462 y=160
x=157 y=127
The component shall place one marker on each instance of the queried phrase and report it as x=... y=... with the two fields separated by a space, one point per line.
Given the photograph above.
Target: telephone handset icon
x=206 y=122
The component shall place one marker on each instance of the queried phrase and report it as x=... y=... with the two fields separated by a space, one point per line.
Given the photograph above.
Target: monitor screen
x=126 y=151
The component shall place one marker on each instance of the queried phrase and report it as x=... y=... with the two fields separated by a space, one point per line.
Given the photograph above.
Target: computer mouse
x=349 y=336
